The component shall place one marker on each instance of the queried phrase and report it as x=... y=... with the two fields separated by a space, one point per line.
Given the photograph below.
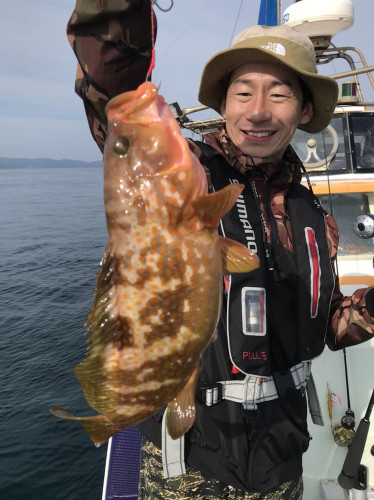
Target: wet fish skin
x=158 y=292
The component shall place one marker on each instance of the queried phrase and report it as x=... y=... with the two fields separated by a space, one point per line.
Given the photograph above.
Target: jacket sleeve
x=350 y=322
x=113 y=42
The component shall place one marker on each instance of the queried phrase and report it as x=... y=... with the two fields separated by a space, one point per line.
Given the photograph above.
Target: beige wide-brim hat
x=272 y=44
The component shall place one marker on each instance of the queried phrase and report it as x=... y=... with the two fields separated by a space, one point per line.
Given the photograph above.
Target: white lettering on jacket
x=243 y=217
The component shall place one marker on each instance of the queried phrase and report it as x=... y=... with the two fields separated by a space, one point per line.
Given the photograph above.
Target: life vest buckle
x=284 y=382
x=211 y=394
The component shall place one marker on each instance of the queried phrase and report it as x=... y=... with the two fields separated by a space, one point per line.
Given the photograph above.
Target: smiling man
x=263 y=107
x=250 y=431
x=249 y=437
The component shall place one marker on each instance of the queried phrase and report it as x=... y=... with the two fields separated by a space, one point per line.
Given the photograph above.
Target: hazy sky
x=41 y=116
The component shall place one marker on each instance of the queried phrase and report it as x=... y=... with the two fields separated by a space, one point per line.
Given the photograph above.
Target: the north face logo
x=276 y=48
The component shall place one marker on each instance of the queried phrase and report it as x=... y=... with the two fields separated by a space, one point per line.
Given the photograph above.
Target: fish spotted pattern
x=158 y=292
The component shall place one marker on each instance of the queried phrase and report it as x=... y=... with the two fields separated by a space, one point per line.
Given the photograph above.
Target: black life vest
x=289 y=305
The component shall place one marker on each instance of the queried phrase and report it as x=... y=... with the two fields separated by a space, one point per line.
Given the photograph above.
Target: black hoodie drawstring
x=267 y=240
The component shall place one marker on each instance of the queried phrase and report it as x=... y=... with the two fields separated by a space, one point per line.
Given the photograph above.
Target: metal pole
x=348 y=476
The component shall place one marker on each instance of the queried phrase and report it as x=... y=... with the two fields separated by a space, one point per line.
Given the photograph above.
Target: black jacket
x=258 y=450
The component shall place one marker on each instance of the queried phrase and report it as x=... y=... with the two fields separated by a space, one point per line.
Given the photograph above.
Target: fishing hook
x=163 y=10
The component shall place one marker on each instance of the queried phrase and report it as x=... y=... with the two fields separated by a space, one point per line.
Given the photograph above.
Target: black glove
x=370 y=302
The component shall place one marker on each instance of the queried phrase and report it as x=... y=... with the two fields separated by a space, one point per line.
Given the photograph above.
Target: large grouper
x=159 y=287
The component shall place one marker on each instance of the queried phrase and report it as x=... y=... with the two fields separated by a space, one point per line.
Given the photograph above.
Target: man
x=250 y=431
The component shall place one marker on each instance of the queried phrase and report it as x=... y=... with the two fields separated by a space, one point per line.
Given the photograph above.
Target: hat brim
x=324 y=90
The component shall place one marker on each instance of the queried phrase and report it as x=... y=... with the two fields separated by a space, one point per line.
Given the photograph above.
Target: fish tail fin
x=237 y=258
x=99 y=427
x=181 y=411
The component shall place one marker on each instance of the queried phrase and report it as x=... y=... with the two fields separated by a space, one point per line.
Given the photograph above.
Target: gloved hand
x=370 y=302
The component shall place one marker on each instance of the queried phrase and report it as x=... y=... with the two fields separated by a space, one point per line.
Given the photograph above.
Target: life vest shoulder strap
x=208 y=153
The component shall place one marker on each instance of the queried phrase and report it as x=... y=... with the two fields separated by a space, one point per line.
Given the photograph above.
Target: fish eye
x=121 y=145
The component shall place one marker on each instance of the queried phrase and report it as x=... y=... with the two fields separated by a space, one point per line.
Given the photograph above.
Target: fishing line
x=328 y=175
x=236 y=22
x=171 y=45
x=347 y=422
x=349 y=413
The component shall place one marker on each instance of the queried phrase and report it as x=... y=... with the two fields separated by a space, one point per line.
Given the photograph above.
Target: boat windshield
x=363 y=133
x=345 y=207
x=345 y=146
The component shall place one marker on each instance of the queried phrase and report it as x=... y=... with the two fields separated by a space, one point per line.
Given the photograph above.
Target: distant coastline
x=46 y=163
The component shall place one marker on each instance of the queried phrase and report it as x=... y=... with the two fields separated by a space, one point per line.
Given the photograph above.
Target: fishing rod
x=344 y=432
x=353 y=474
x=349 y=474
x=363 y=227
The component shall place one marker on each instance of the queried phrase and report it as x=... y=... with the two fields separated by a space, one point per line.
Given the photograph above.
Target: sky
x=40 y=114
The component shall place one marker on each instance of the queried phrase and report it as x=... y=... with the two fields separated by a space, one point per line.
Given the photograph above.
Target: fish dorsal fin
x=237 y=258
x=211 y=208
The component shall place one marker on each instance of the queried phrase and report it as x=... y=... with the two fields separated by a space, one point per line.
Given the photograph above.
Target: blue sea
x=53 y=234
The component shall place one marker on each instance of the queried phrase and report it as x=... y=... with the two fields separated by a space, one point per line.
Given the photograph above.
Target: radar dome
x=320 y=18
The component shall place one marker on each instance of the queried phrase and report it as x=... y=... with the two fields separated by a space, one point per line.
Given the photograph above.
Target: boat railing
x=327 y=55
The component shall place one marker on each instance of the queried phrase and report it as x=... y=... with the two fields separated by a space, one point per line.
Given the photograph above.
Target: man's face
x=263 y=109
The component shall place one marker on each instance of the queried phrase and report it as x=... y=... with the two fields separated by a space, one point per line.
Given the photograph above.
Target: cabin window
x=362 y=126
x=327 y=151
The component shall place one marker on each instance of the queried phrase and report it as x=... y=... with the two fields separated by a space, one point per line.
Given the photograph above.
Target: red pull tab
x=234 y=370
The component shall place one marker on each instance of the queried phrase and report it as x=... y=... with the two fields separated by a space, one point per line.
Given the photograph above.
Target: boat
x=339 y=163
x=340 y=166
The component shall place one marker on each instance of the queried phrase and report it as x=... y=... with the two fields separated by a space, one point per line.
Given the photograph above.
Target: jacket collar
x=289 y=167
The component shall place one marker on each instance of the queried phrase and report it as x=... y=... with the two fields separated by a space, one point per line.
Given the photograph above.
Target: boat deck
x=122 y=467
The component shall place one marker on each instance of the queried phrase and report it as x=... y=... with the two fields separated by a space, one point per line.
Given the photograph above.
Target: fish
x=158 y=290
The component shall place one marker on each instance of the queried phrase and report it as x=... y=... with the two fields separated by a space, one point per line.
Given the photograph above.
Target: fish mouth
x=138 y=106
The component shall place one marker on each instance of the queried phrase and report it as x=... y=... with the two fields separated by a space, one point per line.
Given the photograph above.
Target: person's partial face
x=263 y=108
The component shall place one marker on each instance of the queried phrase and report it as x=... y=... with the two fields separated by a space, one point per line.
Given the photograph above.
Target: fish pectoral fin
x=181 y=411
x=99 y=427
x=99 y=386
x=237 y=258
x=212 y=207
